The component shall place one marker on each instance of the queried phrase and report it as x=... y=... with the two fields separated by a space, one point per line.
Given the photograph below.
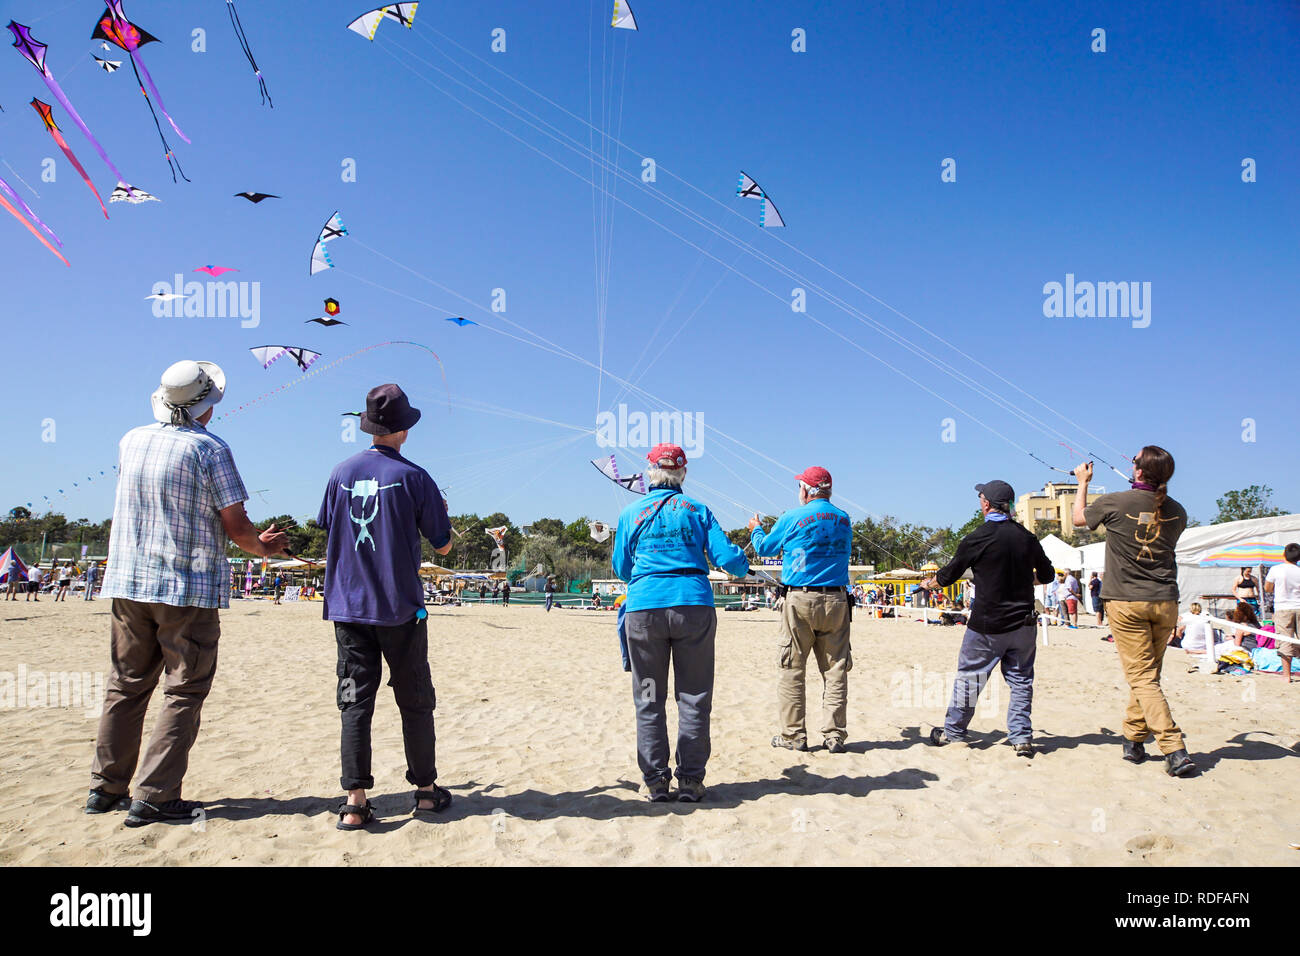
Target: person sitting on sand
x=179 y=497
x=1243 y=613
x=377 y=504
x=664 y=545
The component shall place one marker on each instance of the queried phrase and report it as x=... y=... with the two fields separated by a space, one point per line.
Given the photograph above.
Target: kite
x=165 y=296
x=108 y=66
x=125 y=193
x=767 y=214
x=599 y=531
x=609 y=468
x=33 y=51
x=320 y=257
x=47 y=115
x=353 y=414
x=215 y=271
x=328 y=323
x=17 y=200
x=332 y=307
x=255 y=198
x=32 y=229
x=266 y=354
x=248 y=51
x=114 y=27
x=623 y=18
x=331 y=310
x=368 y=23
x=462 y=322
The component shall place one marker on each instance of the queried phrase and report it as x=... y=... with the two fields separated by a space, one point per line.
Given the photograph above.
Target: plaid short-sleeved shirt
x=168 y=545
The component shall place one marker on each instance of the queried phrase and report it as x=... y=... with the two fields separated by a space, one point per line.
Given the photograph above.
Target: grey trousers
x=685 y=636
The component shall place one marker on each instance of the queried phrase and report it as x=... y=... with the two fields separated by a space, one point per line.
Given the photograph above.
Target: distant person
x=65 y=583
x=1283 y=583
x=1073 y=592
x=377 y=504
x=505 y=593
x=1094 y=592
x=664 y=546
x=1246 y=588
x=179 y=498
x=1193 y=631
x=35 y=578
x=814 y=541
x=550 y=593
x=595 y=600
x=1006 y=560
x=1243 y=613
x=1143 y=526
x=92 y=572
x=16 y=583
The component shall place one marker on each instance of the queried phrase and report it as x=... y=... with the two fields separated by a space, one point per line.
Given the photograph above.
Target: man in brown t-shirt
x=1141 y=594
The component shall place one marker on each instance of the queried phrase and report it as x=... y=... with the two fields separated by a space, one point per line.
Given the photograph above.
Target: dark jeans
x=406 y=649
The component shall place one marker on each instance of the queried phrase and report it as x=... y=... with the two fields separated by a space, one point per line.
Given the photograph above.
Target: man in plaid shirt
x=179 y=497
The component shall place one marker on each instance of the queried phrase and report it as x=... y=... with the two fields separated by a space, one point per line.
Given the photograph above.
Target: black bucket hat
x=387 y=411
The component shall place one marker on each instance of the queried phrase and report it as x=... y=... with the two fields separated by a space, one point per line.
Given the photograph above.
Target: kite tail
x=15 y=198
x=32 y=229
x=248 y=50
x=85 y=130
x=172 y=162
x=136 y=61
x=67 y=151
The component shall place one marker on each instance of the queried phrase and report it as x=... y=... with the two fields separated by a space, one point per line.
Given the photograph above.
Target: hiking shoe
x=690 y=790
x=1178 y=764
x=1025 y=749
x=779 y=741
x=834 y=745
x=101 y=801
x=143 y=813
x=939 y=738
x=1134 y=751
x=657 y=791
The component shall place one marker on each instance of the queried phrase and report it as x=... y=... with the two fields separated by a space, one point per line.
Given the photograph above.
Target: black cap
x=388 y=411
x=997 y=492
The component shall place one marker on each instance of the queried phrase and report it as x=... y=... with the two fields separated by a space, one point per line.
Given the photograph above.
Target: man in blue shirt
x=814 y=541
x=376 y=506
x=662 y=548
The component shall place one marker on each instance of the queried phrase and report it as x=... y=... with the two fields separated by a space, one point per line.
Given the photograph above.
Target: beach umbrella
x=1246 y=554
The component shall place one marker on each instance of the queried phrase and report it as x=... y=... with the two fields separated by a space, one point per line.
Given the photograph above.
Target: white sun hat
x=187 y=390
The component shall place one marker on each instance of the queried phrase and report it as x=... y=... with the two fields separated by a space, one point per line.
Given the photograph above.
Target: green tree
x=1255 y=501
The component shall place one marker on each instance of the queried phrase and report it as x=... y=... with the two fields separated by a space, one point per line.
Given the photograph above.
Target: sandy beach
x=536 y=742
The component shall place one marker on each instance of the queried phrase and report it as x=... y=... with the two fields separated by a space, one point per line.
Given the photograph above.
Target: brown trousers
x=816 y=622
x=148 y=640
x=1141 y=630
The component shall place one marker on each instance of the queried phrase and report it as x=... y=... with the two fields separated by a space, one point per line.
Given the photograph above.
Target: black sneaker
x=142 y=813
x=1134 y=751
x=690 y=790
x=1025 y=749
x=100 y=801
x=939 y=738
x=834 y=745
x=1178 y=764
x=657 y=791
x=781 y=742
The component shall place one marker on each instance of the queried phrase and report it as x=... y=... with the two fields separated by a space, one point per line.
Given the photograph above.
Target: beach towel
x=1268 y=661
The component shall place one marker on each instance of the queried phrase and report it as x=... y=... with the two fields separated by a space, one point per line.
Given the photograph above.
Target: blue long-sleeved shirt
x=668 y=563
x=814 y=541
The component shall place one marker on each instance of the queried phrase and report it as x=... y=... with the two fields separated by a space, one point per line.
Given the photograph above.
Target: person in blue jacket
x=664 y=544
x=815 y=542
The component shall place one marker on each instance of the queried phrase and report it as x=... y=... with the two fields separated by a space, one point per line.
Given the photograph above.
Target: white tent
x=1062 y=556
x=1198 y=543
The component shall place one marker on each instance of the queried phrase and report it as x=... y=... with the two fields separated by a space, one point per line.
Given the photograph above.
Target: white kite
x=609 y=468
x=108 y=66
x=266 y=354
x=368 y=23
x=599 y=531
x=767 y=214
x=623 y=18
x=125 y=193
x=320 y=257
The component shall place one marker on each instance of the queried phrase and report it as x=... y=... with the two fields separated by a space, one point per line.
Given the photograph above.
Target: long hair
x=1157 y=467
x=1244 y=614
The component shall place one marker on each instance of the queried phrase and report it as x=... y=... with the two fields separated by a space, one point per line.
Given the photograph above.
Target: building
x=1053 y=503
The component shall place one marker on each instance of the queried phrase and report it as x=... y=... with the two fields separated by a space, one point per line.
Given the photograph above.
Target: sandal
x=366 y=813
x=441 y=800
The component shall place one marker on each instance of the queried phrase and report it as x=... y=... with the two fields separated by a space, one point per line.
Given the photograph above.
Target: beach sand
x=536 y=741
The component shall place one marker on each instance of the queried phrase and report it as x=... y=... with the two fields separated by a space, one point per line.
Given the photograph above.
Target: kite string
x=248 y=50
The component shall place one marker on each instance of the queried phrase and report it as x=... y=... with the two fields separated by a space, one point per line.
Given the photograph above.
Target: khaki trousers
x=149 y=640
x=816 y=622
x=1141 y=630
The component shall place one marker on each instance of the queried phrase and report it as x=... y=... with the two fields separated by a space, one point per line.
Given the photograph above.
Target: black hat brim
x=371 y=427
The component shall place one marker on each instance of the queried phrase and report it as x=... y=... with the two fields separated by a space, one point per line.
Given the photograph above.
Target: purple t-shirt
x=376 y=506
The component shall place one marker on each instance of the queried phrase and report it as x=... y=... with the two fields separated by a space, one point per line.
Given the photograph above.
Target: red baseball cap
x=666 y=456
x=815 y=477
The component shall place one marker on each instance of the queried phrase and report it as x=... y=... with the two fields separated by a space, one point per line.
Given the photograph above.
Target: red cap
x=666 y=456
x=815 y=477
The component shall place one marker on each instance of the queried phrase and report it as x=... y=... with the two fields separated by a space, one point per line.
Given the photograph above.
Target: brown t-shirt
x=1140 y=563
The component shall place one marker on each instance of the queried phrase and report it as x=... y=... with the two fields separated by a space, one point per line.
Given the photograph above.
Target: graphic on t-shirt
x=365 y=490
x=1153 y=523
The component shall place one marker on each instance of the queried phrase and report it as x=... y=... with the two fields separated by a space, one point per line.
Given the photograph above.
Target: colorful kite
x=368 y=23
x=115 y=28
x=215 y=271
x=332 y=307
x=248 y=51
x=623 y=18
x=125 y=193
x=333 y=229
x=33 y=52
x=609 y=468
x=266 y=354
x=13 y=197
x=108 y=66
x=7 y=190
x=767 y=214
x=47 y=116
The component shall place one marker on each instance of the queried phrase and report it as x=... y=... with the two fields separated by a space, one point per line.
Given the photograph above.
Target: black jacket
x=1007 y=559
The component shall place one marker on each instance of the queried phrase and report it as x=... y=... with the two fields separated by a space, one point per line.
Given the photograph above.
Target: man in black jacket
x=1003 y=628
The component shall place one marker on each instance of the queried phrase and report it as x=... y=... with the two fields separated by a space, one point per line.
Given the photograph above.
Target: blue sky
x=1119 y=166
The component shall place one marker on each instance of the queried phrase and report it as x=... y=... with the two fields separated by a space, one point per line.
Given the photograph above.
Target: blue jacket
x=663 y=545
x=814 y=541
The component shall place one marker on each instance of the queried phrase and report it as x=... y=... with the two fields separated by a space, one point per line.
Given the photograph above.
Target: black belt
x=819 y=589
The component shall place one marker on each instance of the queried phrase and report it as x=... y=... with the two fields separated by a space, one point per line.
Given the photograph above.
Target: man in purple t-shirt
x=376 y=506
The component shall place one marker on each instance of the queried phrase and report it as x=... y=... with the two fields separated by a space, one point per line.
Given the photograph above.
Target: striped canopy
x=1246 y=554
x=11 y=565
